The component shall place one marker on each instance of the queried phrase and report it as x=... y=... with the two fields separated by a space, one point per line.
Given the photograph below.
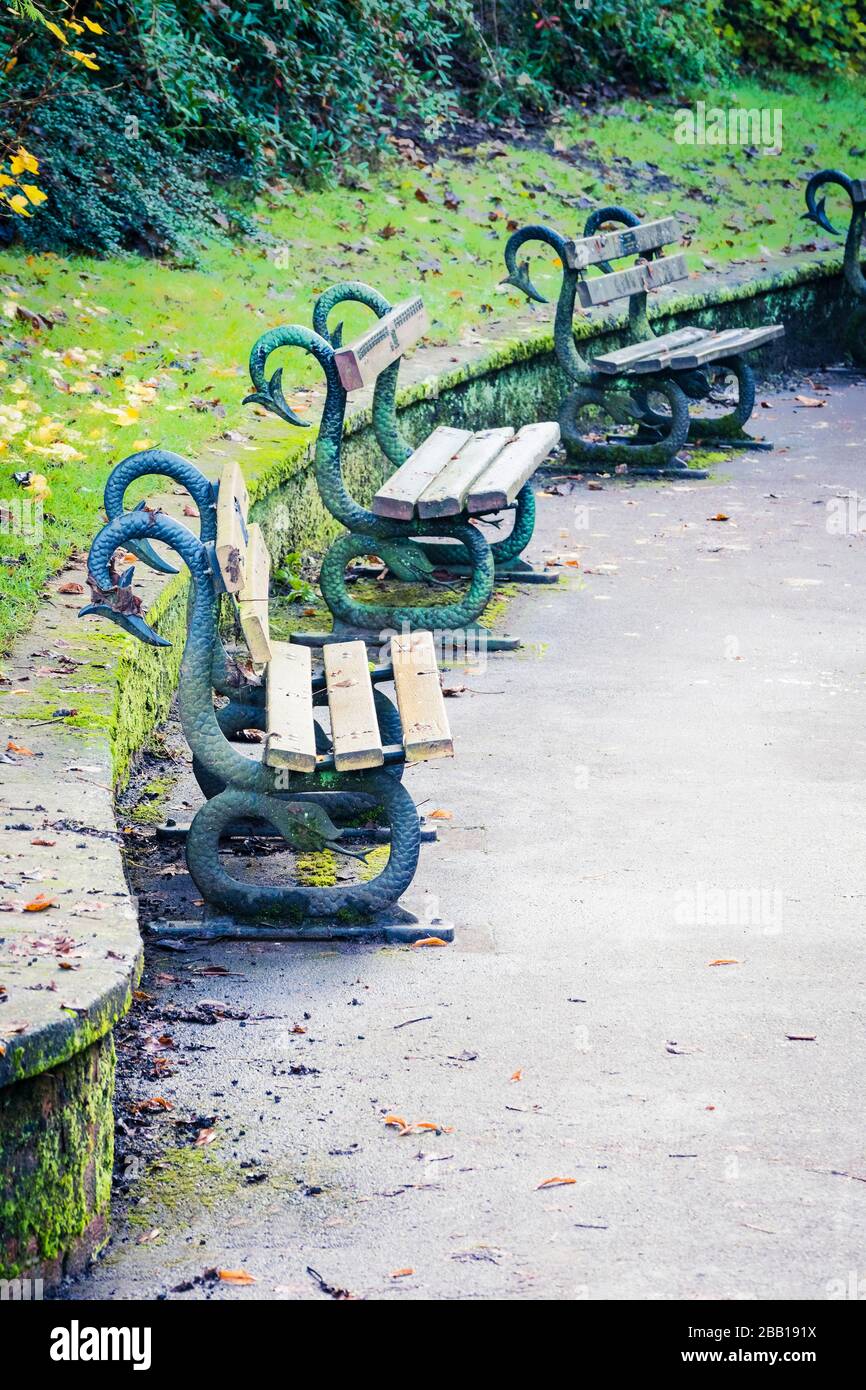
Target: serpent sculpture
x=855 y=329
x=616 y=397
x=241 y=788
x=698 y=383
x=398 y=544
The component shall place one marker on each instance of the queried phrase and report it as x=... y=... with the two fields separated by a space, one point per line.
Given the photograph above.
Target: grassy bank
x=139 y=352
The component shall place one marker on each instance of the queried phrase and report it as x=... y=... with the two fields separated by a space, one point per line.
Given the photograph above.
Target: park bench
x=311 y=771
x=854 y=330
x=421 y=524
x=649 y=382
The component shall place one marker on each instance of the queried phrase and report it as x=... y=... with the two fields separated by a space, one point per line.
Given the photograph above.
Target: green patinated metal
x=399 y=544
x=239 y=788
x=624 y=399
x=855 y=327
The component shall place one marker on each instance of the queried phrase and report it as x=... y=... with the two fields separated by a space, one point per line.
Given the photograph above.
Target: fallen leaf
x=517 y=1076
x=149 y=1236
x=556 y=1182
x=235 y=1276
x=725 y=960
x=811 y=401
x=801 y=1037
x=39 y=903
x=719 y=516
x=13 y=747
x=430 y=941
x=400 y=1273
x=441 y=815
x=70 y=587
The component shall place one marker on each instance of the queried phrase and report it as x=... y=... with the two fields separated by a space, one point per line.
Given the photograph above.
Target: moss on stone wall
x=56 y=1150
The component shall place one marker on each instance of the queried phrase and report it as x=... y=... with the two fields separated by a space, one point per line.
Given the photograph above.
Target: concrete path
x=668 y=777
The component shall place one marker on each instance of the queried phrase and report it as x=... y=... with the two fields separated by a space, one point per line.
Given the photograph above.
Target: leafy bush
x=137 y=116
x=797 y=33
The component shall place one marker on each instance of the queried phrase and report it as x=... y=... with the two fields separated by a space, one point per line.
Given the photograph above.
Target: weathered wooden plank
x=426 y=733
x=291 y=731
x=447 y=492
x=716 y=345
x=231 y=541
x=361 y=361
x=398 y=497
x=632 y=241
x=647 y=275
x=648 y=355
x=354 y=726
x=858 y=190
x=501 y=481
x=253 y=597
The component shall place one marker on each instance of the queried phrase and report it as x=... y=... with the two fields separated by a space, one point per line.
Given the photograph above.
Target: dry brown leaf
x=70 y=587
x=395 y=1121
x=725 y=960
x=556 y=1182
x=204 y=1136
x=149 y=1236
x=719 y=516
x=440 y=815
x=811 y=401
x=152 y=1103
x=39 y=841
x=430 y=941
x=400 y=1273
x=517 y=1076
x=13 y=747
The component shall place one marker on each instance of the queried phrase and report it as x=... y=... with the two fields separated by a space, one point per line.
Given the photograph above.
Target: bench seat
x=455 y=471
x=684 y=349
x=357 y=744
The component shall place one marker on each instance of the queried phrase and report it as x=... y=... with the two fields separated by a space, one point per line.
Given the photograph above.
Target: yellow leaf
x=10 y=65
x=430 y=941
x=92 y=25
x=76 y=28
x=23 y=162
x=5 y=181
x=85 y=58
x=19 y=204
x=38 y=487
x=35 y=194
x=56 y=30
x=139 y=444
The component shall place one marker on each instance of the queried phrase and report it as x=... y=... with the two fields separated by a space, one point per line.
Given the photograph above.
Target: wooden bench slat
x=731 y=341
x=360 y=362
x=648 y=355
x=631 y=241
x=426 y=733
x=253 y=597
x=501 y=481
x=447 y=492
x=354 y=726
x=648 y=275
x=231 y=541
x=399 y=495
x=291 y=739
x=858 y=190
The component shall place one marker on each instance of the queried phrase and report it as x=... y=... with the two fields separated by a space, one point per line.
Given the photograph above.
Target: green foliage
x=143 y=115
x=797 y=33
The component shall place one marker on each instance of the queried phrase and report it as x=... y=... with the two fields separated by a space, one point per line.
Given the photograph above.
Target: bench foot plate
x=451 y=644
x=395 y=925
x=245 y=830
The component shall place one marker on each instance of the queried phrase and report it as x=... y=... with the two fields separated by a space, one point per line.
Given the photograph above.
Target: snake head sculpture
x=144 y=551
x=119 y=604
x=519 y=278
x=815 y=207
x=270 y=394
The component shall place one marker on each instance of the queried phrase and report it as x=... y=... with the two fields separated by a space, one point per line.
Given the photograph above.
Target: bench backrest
x=244 y=562
x=360 y=362
x=631 y=241
x=858 y=190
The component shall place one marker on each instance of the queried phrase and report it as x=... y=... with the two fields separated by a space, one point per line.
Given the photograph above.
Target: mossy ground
x=134 y=358
x=179 y=1184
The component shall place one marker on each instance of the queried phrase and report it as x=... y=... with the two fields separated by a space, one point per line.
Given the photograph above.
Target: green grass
x=165 y=348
